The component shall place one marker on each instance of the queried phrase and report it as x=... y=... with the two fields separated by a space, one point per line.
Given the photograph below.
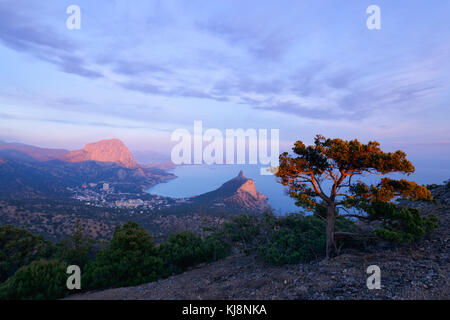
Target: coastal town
x=104 y=195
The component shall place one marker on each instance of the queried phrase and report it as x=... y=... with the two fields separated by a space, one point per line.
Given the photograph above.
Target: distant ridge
x=40 y=154
x=111 y=150
x=237 y=192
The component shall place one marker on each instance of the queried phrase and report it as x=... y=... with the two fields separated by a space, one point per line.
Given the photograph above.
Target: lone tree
x=338 y=161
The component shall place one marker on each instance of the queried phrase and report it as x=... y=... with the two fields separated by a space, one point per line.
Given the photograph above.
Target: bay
x=197 y=179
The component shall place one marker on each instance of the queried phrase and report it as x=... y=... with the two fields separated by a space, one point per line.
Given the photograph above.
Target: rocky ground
x=418 y=271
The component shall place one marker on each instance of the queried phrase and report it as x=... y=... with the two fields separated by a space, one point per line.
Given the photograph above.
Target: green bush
x=76 y=249
x=276 y=240
x=401 y=224
x=131 y=259
x=244 y=231
x=298 y=239
x=183 y=250
x=18 y=248
x=40 y=280
x=216 y=246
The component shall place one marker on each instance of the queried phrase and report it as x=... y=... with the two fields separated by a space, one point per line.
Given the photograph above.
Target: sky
x=138 y=70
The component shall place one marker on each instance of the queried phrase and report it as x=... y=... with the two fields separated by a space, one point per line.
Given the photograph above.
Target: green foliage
x=77 y=248
x=320 y=212
x=385 y=191
x=279 y=240
x=216 y=246
x=18 y=248
x=338 y=161
x=298 y=239
x=183 y=250
x=242 y=230
x=248 y=232
x=400 y=224
x=131 y=259
x=40 y=280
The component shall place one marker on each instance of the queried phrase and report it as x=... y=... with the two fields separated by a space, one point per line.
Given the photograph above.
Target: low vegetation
x=19 y=247
x=34 y=268
x=40 y=280
x=131 y=258
x=37 y=268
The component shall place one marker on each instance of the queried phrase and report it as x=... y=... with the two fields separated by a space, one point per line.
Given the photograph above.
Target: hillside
x=416 y=271
x=40 y=154
x=25 y=179
x=48 y=197
x=112 y=150
x=239 y=192
x=30 y=172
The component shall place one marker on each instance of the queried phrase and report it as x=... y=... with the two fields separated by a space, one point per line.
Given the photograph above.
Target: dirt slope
x=419 y=271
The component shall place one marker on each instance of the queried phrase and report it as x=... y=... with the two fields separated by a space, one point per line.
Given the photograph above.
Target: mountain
x=239 y=192
x=40 y=154
x=27 y=172
x=112 y=150
x=50 y=179
x=12 y=154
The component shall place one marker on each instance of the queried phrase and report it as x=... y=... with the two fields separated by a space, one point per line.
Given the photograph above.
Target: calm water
x=197 y=179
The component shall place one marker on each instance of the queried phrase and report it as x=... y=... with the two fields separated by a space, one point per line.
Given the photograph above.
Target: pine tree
x=339 y=161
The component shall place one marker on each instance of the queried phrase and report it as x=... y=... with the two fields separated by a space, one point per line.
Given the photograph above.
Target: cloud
x=65 y=121
x=355 y=105
x=230 y=59
x=145 y=88
x=242 y=84
x=306 y=111
x=172 y=91
x=74 y=65
x=315 y=91
x=319 y=90
x=131 y=68
x=263 y=44
x=24 y=34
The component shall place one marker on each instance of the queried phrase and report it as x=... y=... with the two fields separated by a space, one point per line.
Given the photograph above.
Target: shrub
x=37 y=281
x=401 y=224
x=131 y=259
x=216 y=246
x=244 y=231
x=182 y=250
x=18 y=248
x=298 y=239
x=76 y=249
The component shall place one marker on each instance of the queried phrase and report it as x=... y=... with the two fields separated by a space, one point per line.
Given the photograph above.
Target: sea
x=197 y=179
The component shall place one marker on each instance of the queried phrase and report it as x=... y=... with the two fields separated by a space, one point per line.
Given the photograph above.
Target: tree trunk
x=331 y=244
